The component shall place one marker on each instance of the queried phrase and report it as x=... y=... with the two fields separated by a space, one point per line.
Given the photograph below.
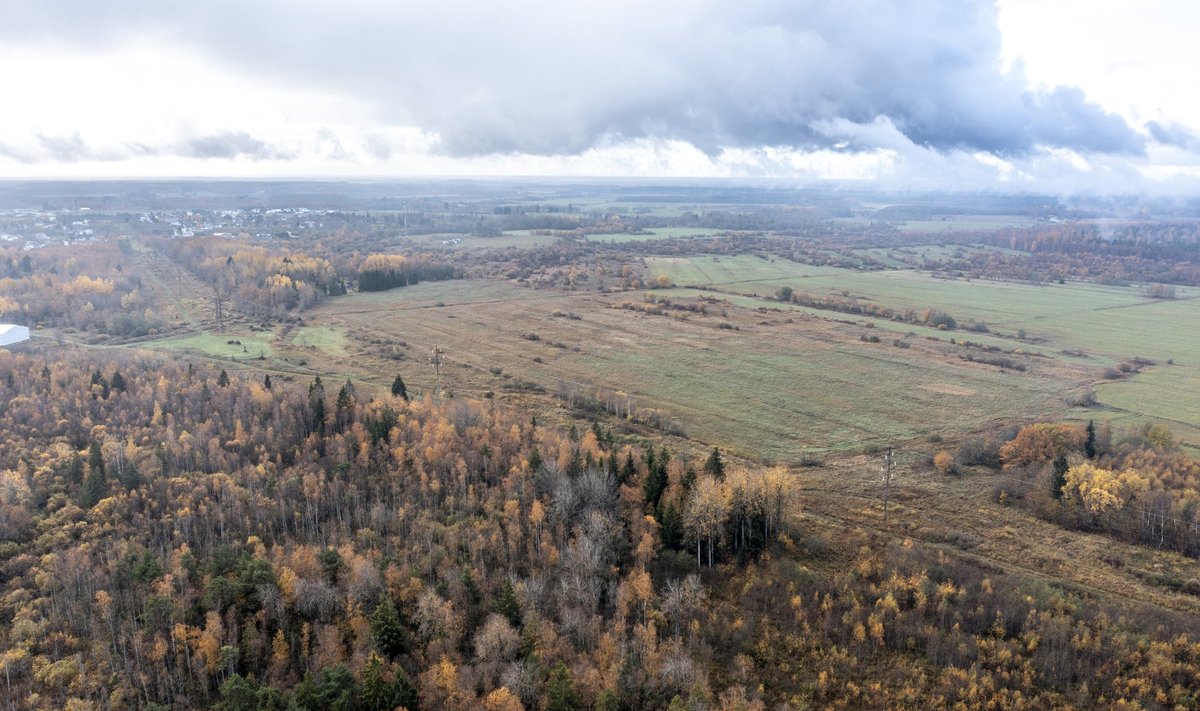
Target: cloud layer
x=548 y=78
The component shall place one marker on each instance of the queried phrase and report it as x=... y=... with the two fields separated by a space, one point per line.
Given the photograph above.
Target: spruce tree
x=560 y=690
x=628 y=470
x=656 y=482
x=387 y=630
x=379 y=694
x=95 y=484
x=507 y=605
x=1059 y=478
x=670 y=523
x=398 y=388
x=1089 y=443
x=714 y=466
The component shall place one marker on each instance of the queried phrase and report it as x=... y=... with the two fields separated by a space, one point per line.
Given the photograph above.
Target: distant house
x=11 y=334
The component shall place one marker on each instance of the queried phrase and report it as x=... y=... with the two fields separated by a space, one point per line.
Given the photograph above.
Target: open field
x=328 y=340
x=523 y=239
x=777 y=387
x=956 y=224
x=225 y=346
x=1114 y=321
x=744 y=270
x=1164 y=394
x=1109 y=323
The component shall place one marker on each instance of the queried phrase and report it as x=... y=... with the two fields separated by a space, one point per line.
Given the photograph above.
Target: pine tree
x=223 y=379
x=118 y=382
x=1089 y=443
x=398 y=388
x=535 y=460
x=267 y=381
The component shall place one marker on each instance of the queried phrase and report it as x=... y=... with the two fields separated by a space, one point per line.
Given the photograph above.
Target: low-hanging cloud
x=561 y=78
x=227 y=144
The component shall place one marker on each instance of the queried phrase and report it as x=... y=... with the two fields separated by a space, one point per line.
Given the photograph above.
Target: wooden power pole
x=889 y=466
x=436 y=360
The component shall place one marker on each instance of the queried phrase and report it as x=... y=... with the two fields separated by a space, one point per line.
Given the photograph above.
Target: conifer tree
x=1059 y=477
x=387 y=630
x=560 y=690
x=399 y=389
x=714 y=466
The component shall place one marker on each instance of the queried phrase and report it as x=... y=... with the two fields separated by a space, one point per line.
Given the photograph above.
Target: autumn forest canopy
x=490 y=446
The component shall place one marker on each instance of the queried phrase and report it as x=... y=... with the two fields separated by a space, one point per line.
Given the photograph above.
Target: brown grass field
x=765 y=384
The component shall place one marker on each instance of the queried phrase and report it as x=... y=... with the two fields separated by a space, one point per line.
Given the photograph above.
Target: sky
x=1017 y=95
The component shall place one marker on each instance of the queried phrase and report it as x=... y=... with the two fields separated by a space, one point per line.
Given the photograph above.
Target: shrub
x=943 y=461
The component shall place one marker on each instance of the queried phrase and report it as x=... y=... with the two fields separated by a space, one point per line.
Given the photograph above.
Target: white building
x=10 y=334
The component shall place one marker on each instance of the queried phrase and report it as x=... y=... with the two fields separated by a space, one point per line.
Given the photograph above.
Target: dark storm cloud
x=559 y=78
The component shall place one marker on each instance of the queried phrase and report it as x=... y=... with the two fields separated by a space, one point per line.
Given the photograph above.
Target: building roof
x=12 y=333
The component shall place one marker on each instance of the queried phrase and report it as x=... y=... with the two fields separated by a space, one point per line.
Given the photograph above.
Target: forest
x=179 y=537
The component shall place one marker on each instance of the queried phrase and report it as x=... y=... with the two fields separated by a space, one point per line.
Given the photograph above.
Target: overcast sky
x=1053 y=95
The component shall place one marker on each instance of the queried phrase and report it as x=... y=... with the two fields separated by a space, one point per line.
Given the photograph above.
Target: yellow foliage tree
x=1101 y=490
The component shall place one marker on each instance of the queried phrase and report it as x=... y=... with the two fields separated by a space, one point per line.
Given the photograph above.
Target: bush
x=943 y=461
x=978 y=451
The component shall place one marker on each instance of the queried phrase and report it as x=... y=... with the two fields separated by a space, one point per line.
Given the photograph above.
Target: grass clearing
x=330 y=340
x=225 y=346
x=744 y=270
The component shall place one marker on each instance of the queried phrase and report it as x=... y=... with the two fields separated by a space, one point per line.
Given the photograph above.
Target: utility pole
x=219 y=302
x=889 y=465
x=436 y=360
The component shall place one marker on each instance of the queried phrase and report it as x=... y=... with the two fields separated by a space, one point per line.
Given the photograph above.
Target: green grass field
x=218 y=345
x=1109 y=323
x=1111 y=320
x=1164 y=394
x=744 y=271
x=330 y=340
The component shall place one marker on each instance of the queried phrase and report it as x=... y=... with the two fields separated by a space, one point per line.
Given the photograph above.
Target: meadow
x=778 y=385
x=1108 y=324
